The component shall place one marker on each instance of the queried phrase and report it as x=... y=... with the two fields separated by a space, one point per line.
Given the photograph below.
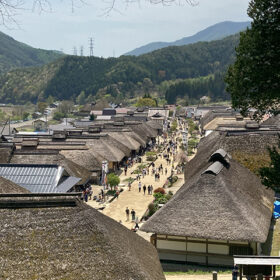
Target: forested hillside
x=123 y=77
x=14 y=54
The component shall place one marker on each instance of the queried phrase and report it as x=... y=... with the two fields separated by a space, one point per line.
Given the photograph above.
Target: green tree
x=41 y=106
x=25 y=115
x=81 y=98
x=65 y=107
x=113 y=180
x=50 y=100
x=142 y=102
x=271 y=175
x=253 y=80
x=58 y=115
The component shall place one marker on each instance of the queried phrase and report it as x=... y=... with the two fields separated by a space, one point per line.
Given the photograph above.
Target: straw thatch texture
x=155 y=125
x=72 y=243
x=248 y=145
x=6 y=153
x=275 y=120
x=7 y=186
x=85 y=159
x=138 y=138
x=119 y=144
x=232 y=205
x=125 y=139
x=105 y=149
x=39 y=157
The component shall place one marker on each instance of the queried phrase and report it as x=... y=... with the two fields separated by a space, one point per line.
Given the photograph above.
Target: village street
x=197 y=277
x=134 y=199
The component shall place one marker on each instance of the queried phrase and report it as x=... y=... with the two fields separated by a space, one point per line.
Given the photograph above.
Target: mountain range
x=14 y=54
x=214 y=32
x=120 y=78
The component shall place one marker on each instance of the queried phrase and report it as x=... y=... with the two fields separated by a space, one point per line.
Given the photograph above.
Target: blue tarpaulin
x=276 y=213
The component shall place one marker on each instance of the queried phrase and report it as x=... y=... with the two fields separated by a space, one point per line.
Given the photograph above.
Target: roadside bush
x=159 y=190
x=111 y=192
x=152 y=209
x=58 y=116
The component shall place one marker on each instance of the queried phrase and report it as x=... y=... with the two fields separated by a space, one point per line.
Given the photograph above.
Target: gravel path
x=198 y=277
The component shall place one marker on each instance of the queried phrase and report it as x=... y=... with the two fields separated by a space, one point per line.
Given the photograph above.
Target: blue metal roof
x=38 y=178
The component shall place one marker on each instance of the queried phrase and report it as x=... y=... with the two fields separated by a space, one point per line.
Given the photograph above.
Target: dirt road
x=197 y=277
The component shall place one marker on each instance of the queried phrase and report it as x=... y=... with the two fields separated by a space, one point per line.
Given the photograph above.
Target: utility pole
x=91 y=44
x=82 y=51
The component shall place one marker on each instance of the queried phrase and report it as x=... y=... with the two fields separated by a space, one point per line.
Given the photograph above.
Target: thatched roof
x=42 y=157
x=275 y=120
x=155 y=125
x=103 y=148
x=217 y=202
x=251 y=143
x=72 y=243
x=7 y=186
x=86 y=159
x=126 y=139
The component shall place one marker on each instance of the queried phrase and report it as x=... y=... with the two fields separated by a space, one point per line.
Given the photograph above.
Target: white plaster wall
x=218 y=249
x=171 y=245
x=197 y=247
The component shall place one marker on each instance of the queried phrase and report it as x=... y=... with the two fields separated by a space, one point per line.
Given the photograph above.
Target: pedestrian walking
x=234 y=273
x=129 y=186
x=149 y=189
x=139 y=186
x=144 y=189
x=127 y=213
x=132 y=215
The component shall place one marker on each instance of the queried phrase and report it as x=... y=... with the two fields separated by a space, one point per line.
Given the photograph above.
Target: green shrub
x=159 y=190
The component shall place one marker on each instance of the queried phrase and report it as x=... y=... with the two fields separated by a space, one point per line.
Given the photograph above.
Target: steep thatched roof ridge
x=73 y=243
x=111 y=141
x=72 y=168
x=86 y=159
x=155 y=124
x=232 y=205
x=125 y=139
x=7 y=186
x=274 y=120
x=138 y=138
x=105 y=150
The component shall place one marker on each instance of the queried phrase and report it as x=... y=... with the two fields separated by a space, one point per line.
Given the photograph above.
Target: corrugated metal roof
x=67 y=184
x=37 y=178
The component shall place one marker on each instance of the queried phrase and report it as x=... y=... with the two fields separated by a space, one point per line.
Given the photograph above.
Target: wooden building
x=69 y=239
x=221 y=211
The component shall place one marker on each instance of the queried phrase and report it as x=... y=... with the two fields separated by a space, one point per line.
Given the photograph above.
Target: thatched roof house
x=7 y=186
x=222 y=203
x=126 y=139
x=248 y=148
x=71 y=242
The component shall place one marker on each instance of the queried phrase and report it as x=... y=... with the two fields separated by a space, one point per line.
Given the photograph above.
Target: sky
x=123 y=29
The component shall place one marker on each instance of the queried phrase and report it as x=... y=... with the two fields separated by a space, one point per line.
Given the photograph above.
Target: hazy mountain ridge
x=119 y=77
x=214 y=32
x=14 y=54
